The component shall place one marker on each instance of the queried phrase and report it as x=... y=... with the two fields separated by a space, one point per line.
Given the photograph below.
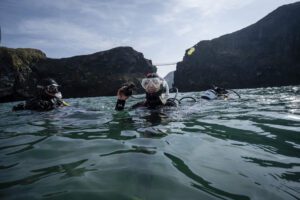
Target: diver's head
x=152 y=83
x=220 y=90
x=49 y=87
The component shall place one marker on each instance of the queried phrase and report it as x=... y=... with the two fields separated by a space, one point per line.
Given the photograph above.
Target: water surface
x=246 y=148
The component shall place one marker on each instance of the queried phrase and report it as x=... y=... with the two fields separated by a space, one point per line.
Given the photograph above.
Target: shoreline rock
x=98 y=74
x=264 y=54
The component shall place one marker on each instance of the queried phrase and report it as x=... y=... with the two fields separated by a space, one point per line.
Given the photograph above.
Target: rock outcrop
x=266 y=53
x=98 y=74
x=17 y=75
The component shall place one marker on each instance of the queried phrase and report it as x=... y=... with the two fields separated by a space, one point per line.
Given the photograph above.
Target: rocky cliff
x=98 y=74
x=266 y=53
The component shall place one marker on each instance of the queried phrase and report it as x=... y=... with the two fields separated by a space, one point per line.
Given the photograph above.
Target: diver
x=215 y=93
x=221 y=92
x=157 y=93
x=48 y=98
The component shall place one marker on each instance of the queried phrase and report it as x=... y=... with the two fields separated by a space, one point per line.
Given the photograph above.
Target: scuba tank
x=209 y=95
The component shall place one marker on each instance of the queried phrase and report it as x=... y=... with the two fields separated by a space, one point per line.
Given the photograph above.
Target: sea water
x=246 y=148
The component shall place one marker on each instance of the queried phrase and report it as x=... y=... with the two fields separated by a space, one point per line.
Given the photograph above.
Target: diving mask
x=52 y=90
x=152 y=84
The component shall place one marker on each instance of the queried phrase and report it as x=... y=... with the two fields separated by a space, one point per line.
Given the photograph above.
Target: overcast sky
x=161 y=29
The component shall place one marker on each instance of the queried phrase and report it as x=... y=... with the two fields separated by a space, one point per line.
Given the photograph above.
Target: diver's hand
x=121 y=95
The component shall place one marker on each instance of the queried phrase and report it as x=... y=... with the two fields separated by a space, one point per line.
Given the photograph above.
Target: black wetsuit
x=151 y=102
x=41 y=103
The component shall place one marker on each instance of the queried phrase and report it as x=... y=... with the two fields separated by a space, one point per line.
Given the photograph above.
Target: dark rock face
x=98 y=74
x=266 y=53
x=17 y=76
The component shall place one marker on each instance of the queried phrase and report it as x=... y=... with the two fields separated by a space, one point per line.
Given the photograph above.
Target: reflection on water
x=69 y=170
x=245 y=148
x=201 y=184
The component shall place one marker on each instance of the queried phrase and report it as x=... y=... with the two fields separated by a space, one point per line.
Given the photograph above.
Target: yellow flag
x=191 y=51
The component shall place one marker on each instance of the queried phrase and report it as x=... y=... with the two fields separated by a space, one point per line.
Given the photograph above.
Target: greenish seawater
x=245 y=148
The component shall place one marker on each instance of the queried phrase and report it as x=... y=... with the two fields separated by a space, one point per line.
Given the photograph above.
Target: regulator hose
x=235 y=93
x=187 y=98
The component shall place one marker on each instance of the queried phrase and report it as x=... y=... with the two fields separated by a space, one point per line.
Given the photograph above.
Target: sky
x=161 y=29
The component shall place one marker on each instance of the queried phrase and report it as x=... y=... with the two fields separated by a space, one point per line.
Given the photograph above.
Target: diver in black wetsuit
x=215 y=93
x=157 y=92
x=222 y=92
x=48 y=98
